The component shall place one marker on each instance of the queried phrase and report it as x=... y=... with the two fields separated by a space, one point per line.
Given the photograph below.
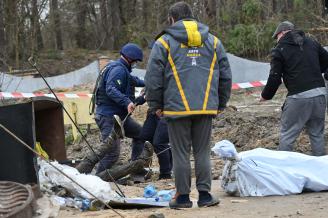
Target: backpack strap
x=100 y=77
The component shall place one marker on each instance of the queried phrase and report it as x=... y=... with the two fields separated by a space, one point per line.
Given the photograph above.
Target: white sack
x=263 y=172
x=49 y=177
x=225 y=150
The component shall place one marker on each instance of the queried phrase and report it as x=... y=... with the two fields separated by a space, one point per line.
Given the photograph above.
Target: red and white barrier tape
x=30 y=95
x=235 y=86
x=254 y=84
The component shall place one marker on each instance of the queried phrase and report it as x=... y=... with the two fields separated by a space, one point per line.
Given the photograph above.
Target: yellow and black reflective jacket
x=188 y=72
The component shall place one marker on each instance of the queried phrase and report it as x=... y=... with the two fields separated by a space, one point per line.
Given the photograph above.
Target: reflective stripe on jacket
x=188 y=72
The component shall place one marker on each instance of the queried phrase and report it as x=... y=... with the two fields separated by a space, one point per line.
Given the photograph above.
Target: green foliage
x=225 y=16
x=299 y=3
x=252 y=8
x=69 y=139
x=244 y=26
x=251 y=40
x=241 y=39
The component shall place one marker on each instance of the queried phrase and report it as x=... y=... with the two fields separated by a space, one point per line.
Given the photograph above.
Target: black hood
x=294 y=37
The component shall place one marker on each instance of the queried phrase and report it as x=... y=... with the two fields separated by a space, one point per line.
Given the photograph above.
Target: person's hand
x=131 y=107
x=325 y=75
x=140 y=100
x=262 y=99
x=159 y=112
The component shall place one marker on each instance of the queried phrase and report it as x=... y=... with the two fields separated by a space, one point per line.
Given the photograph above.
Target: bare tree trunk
x=10 y=21
x=36 y=34
x=267 y=11
x=81 y=14
x=210 y=9
x=96 y=25
x=127 y=9
x=56 y=28
x=146 y=14
x=2 y=30
x=274 y=6
x=162 y=9
x=107 y=40
x=17 y=43
x=116 y=23
x=322 y=4
x=12 y=29
x=286 y=9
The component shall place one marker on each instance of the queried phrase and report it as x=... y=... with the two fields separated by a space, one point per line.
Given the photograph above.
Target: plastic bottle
x=165 y=195
x=77 y=203
x=85 y=204
x=59 y=200
x=149 y=191
x=69 y=202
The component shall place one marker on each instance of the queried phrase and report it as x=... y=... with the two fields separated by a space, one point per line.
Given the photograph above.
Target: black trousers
x=155 y=131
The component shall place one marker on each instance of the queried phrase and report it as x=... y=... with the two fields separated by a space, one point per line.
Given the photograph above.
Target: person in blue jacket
x=115 y=96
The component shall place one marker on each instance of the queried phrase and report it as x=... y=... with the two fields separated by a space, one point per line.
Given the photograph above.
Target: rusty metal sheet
x=39 y=119
x=49 y=127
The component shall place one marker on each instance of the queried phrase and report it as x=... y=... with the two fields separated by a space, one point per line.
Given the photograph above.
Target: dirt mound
x=246 y=123
x=249 y=130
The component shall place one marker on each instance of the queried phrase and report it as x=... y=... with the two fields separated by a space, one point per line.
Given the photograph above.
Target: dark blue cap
x=132 y=51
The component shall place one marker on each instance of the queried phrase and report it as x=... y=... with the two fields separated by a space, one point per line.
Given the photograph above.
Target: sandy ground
x=248 y=124
x=303 y=205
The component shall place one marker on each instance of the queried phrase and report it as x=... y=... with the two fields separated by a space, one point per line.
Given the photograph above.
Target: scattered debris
x=50 y=177
x=161 y=196
x=46 y=207
x=156 y=215
x=238 y=201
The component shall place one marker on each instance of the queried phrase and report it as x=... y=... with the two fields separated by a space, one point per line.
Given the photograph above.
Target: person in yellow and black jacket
x=188 y=81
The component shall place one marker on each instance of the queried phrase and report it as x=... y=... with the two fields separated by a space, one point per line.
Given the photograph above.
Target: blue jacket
x=116 y=89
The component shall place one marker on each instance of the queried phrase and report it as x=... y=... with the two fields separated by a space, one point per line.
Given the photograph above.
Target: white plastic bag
x=263 y=172
x=49 y=177
x=225 y=150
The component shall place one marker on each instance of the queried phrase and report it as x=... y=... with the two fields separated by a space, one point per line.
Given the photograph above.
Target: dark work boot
x=147 y=153
x=89 y=162
x=133 y=167
x=119 y=171
x=206 y=199
x=165 y=176
x=180 y=201
x=146 y=158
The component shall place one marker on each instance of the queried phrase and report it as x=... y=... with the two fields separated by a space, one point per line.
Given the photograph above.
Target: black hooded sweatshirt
x=299 y=61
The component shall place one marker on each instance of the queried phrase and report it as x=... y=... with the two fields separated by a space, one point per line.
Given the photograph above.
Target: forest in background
x=48 y=28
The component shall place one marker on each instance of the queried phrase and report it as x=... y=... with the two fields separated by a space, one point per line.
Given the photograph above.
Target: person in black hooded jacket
x=299 y=62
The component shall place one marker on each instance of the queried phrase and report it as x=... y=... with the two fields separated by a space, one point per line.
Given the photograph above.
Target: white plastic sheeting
x=225 y=150
x=263 y=172
x=50 y=177
x=243 y=70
